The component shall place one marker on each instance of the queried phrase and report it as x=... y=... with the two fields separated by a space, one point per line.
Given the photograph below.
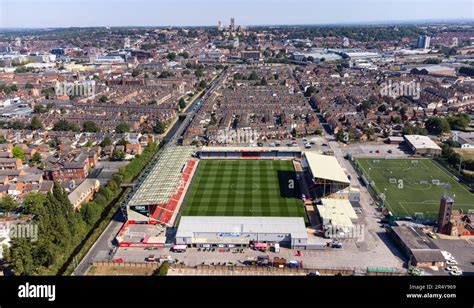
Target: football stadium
x=232 y=196
x=413 y=187
x=244 y=188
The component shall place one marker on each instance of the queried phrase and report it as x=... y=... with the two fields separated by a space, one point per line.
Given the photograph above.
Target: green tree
x=122 y=128
x=103 y=99
x=117 y=156
x=8 y=204
x=437 y=125
x=90 y=212
x=184 y=55
x=203 y=84
x=90 y=127
x=459 y=121
x=17 y=152
x=171 y=56
x=182 y=103
x=135 y=72
x=35 y=123
x=159 y=127
x=16 y=125
x=198 y=73
x=106 y=142
x=36 y=158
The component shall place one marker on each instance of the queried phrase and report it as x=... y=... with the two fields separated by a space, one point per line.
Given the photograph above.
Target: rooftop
x=326 y=167
x=161 y=181
x=192 y=224
x=422 y=142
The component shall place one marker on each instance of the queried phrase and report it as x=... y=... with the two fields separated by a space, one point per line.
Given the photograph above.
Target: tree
x=35 y=123
x=382 y=108
x=199 y=73
x=182 y=103
x=414 y=130
x=122 y=142
x=203 y=84
x=459 y=122
x=162 y=270
x=90 y=127
x=171 y=56
x=117 y=156
x=310 y=59
x=135 y=72
x=253 y=76
x=309 y=91
x=103 y=99
x=122 y=128
x=36 y=158
x=8 y=204
x=90 y=212
x=263 y=82
x=184 y=55
x=63 y=125
x=159 y=127
x=17 y=125
x=436 y=125
x=106 y=142
x=17 y=152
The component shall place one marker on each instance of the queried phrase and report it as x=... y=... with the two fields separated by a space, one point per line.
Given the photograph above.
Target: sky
x=85 y=13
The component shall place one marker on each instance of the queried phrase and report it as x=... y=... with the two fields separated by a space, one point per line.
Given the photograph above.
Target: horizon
x=124 y=13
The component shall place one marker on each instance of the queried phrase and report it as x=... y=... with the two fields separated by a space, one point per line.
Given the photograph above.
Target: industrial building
x=216 y=231
x=422 y=145
x=417 y=247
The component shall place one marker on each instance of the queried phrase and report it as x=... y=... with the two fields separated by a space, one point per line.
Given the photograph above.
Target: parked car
x=455 y=273
x=150 y=259
x=452 y=268
x=314 y=274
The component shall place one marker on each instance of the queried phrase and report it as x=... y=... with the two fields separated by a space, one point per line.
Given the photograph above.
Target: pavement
x=103 y=246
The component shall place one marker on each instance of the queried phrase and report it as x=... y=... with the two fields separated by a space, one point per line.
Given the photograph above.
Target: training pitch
x=244 y=188
x=414 y=186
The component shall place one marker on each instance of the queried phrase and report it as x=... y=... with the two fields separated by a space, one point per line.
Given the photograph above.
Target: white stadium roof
x=326 y=167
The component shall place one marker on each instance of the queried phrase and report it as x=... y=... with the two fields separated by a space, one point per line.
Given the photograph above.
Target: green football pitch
x=414 y=186
x=244 y=188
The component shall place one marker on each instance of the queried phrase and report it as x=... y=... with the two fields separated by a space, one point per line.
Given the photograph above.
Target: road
x=104 y=246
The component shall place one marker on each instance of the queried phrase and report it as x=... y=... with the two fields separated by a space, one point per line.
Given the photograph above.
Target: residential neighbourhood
x=240 y=147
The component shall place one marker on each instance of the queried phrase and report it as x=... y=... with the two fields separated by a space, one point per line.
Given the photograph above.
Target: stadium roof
x=250 y=149
x=326 y=167
x=337 y=212
x=161 y=181
x=189 y=225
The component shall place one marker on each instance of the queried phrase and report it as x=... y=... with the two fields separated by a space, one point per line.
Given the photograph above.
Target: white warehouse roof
x=326 y=167
x=421 y=142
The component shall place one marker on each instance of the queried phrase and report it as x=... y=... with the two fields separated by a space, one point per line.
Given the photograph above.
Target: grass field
x=244 y=188
x=409 y=187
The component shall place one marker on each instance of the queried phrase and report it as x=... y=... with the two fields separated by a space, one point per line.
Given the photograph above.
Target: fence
x=258 y=269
